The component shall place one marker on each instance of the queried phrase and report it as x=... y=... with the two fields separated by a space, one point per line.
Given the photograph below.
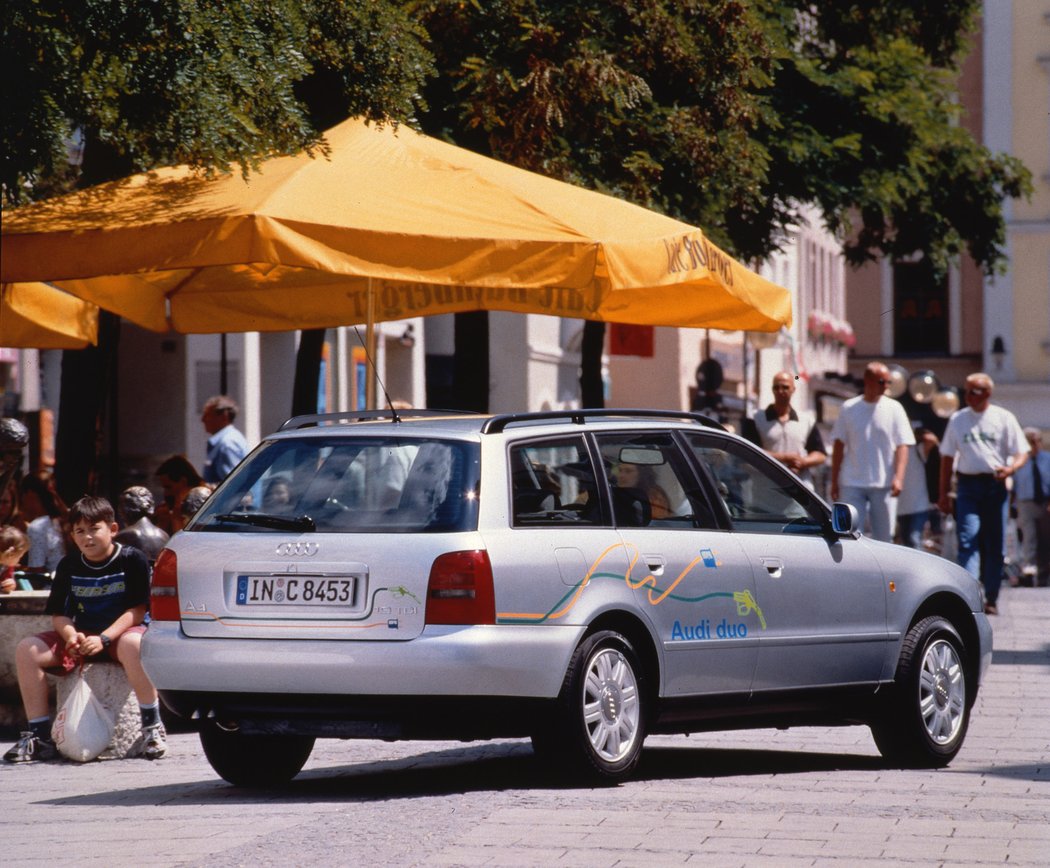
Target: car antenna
x=382 y=385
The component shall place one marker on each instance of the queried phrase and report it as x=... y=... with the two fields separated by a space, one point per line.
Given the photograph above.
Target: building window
x=920 y=310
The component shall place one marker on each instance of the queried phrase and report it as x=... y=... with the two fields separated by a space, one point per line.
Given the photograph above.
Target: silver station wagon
x=583 y=578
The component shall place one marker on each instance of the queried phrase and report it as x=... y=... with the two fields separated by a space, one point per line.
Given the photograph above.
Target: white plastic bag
x=83 y=727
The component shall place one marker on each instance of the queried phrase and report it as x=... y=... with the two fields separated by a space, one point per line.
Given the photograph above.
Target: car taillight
x=460 y=589
x=164 y=590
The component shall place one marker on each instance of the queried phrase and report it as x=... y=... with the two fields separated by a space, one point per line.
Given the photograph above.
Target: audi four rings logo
x=297 y=549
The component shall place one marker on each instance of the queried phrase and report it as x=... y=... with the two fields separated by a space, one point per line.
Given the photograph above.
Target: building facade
x=970 y=321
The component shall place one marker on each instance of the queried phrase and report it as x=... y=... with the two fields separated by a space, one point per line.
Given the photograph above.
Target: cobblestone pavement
x=811 y=796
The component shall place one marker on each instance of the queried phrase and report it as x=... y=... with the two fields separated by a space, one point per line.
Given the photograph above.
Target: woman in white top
x=45 y=514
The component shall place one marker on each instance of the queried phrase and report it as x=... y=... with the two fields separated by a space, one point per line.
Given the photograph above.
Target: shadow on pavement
x=492 y=767
x=1037 y=772
x=1022 y=658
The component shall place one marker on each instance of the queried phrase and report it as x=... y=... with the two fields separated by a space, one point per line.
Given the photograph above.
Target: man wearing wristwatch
x=985 y=445
x=98 y=604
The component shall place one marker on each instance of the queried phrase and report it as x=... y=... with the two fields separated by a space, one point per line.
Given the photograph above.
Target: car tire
x=599 y=721
x=924 y=720
x=254 y=760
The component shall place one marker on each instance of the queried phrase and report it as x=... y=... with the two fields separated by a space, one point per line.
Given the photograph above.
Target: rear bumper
x=524 y=661
x=452 y=718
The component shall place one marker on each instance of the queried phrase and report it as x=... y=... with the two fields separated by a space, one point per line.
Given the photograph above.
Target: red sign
x=630 y=340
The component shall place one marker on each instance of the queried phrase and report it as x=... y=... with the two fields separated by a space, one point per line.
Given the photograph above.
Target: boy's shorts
x=69 y=662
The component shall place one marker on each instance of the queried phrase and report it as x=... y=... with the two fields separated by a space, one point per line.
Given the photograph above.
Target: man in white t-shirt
x=869 y=454
x=984 y=445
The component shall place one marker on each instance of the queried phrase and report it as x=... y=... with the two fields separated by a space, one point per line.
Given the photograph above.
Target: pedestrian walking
x=787 y=434
x=226 y=445
x=1032 y=499
x=984 y=445
x=916 y=506
x=870 y=442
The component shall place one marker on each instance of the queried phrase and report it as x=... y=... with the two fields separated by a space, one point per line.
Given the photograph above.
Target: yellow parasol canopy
x=426 y=227
x=36 y=315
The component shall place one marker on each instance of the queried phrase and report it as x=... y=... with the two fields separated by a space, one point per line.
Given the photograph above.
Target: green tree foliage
x=863 y=121
x=724 y=113
x=730 y=114
x=655 y=101
x=135 y=84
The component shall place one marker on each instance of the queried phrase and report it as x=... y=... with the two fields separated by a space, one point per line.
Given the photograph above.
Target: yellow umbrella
x=39 y=316
x=418 y=226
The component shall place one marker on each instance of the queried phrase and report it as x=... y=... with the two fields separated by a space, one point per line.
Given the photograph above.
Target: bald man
x=869 y=452
x=790 y=437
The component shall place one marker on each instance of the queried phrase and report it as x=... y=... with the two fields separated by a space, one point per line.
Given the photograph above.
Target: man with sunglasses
x=984 y=445
x=869 y=453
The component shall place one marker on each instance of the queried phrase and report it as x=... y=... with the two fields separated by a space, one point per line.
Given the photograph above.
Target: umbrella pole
x=370 y=345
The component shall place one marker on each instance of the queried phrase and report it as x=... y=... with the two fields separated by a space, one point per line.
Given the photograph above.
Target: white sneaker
x=151 y=744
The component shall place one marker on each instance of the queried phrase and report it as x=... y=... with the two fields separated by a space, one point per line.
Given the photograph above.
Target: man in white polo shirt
x=985 y=445
x=869 y=453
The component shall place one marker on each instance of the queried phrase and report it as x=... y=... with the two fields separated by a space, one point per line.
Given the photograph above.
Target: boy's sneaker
x=153 y=744
x=31 y=748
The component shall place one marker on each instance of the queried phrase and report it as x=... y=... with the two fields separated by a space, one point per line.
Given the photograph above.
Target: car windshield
x=348 y=485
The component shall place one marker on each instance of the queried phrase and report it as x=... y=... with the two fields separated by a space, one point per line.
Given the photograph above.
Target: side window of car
x=553 y=484
x=650 y=483
x=758 y=495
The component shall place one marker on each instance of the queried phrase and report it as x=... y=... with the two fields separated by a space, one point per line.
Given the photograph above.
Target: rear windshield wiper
x=262 y=519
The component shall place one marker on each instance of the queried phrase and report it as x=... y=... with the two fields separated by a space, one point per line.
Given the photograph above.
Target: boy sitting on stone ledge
x=98 y=606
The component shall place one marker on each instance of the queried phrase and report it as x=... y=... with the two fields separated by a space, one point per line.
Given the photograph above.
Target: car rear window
x=349 y=485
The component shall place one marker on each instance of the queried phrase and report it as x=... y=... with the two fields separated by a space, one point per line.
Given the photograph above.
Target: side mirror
x=844 y=518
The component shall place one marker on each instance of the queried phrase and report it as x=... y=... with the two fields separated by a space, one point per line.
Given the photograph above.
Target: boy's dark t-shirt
x=95 y=595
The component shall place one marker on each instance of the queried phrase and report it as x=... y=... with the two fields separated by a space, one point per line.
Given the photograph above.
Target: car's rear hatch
x=326 y=537
x=281 y=586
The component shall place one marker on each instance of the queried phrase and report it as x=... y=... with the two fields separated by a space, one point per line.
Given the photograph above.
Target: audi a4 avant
x=583 y=578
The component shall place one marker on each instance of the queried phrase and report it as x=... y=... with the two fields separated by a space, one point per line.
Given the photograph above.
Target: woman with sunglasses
x=985 y=445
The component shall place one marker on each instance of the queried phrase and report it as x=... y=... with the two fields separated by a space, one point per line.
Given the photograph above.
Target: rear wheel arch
x=635 y=631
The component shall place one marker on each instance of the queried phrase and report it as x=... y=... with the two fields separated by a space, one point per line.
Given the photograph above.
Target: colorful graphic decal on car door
x=655 y=595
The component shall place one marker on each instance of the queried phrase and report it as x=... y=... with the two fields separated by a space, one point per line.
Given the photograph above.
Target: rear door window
x=554 y=484
x=650 y=482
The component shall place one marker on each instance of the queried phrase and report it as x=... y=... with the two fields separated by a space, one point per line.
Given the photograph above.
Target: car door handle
x=774 y=566
x=655 y=564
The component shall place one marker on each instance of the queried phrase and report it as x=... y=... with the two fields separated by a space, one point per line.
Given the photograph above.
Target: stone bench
x=21 y=615
x=110 y=685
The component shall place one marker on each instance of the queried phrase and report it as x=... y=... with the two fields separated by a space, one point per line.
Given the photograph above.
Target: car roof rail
x=496 y=424
x=310 y=420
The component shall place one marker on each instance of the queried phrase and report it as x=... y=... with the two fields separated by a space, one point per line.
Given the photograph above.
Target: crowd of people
x=902 y=480
x=98 y=574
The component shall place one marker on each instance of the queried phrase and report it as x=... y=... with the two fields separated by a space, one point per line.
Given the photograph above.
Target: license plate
x=294 y=590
